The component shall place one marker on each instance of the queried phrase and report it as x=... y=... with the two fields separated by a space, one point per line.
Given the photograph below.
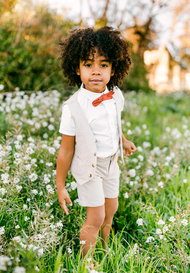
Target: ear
x=78 y=71
x=112 y=72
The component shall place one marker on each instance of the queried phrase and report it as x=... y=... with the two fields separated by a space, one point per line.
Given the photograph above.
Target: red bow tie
x=107 y=96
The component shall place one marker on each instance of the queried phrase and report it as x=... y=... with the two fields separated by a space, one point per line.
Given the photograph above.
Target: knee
x=111 y=211
x=96 y=221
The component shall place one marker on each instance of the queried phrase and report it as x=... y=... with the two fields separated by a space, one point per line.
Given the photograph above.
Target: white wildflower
x=33 y=176
x=16 y=180
x=165 y=229
x=73 y=185
x=51 y=150
x=25 y=207
x=69 y=250
x=35 y=192
x=132 y=172
x=2 y=230
x=172 y=219
x=168 y=129
x=167 y=175
x=40 y=252
x=37 y=125
x=1 y=86
x=158 y=231
x=146 y=144
x=4 y=261
x=184 y=222
x=35 y=212
x=46 y=178
x=126 y=195
x=59 y=224
x=51 y=127
x=139 y=149
x=161 y=222
x=83 y=242
x=140 y=222
x=49 y=164
x=149 y=172
x=144 y=126
x=29 y=151
x=135 y=160
x=175 y=133
x=19 y=137
x=17 y=239
x=140 y=157
x=145 y=185
x=168 y=158
x=49 y=189
x=45 y=135
x=150 y=239
x=2 y=191
x=161 y=184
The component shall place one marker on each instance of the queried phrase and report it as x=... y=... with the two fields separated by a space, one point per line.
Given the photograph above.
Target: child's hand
x=129 y=147
x=64 y=198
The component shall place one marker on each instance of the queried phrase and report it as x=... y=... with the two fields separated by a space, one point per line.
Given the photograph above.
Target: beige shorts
x=105 y=184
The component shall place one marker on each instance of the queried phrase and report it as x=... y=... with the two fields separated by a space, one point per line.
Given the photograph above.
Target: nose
x=96 y=71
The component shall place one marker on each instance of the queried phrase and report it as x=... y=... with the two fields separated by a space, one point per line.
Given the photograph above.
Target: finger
x=64 y=207
x=68 y=201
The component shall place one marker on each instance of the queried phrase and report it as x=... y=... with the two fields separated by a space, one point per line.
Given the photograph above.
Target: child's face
x=95 y=73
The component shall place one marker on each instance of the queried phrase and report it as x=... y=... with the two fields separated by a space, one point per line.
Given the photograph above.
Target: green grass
x=48 y=240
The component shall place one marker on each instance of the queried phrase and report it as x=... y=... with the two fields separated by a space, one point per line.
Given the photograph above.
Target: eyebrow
x=100 y=60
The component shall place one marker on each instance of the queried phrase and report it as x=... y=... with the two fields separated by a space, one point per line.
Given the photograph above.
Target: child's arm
x=128 y=146
x=64 y=159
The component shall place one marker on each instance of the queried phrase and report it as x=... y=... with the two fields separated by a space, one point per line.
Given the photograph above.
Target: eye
x=104 y=65
x=88 y=65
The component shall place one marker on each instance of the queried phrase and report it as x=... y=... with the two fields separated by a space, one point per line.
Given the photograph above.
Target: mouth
x=95 y=81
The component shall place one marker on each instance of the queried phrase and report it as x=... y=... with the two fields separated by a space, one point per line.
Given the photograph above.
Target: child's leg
x=111 y=205
x=90 y=229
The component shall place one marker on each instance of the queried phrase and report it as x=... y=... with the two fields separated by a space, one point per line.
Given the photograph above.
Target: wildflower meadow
x=151 y=230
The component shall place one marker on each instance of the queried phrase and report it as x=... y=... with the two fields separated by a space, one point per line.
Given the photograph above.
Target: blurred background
x=158 y=31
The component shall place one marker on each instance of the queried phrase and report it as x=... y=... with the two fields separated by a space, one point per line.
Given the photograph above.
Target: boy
x=95 y=60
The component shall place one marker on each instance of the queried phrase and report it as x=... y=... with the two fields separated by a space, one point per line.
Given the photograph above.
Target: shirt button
x=94 y=154
x=93 y=165
x=89 y=175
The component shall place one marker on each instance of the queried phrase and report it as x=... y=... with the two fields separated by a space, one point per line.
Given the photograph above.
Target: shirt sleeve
x=67 y=125
x=122 y=98
x=122 y=101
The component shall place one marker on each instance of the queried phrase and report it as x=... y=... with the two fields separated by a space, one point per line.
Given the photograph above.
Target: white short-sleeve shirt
x=102 y=120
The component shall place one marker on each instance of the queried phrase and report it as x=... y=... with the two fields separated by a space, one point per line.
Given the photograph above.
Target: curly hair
x=81 y=43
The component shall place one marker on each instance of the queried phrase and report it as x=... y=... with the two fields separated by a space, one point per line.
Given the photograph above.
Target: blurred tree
x=137 y=19
x=181 y=23
x=7 y=5
x=29 y=37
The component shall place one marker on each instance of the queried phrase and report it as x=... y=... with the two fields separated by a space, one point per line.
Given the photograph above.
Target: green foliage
x=163 y=140
x=29 y=51
x=137 y=78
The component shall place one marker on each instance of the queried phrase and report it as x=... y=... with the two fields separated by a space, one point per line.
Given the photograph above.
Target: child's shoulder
x=118 y=91
x=72 y=98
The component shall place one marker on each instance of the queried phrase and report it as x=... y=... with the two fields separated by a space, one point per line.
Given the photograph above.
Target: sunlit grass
x=150 y=231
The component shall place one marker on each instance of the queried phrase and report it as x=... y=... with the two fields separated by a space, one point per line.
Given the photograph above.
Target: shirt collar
x=91 y=95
